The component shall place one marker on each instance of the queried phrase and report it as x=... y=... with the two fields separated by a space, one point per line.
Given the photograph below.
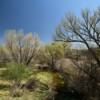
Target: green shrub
x=15 y=72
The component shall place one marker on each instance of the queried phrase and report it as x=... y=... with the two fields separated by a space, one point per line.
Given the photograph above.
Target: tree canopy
x=84 y=29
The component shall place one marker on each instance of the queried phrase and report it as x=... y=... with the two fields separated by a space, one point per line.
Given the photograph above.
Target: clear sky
x=41 y=16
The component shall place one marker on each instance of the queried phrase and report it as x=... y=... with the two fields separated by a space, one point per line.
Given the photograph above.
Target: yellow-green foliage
x=49 y=78
x=45 y=77
x=55 y=49
x=51 y=52
x=15 y=72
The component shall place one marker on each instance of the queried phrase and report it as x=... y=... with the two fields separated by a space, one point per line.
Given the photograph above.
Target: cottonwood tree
x=21 y=48
x=84 y=30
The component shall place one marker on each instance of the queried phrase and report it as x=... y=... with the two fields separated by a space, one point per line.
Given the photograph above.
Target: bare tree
x=83 y=30
x=21 y=48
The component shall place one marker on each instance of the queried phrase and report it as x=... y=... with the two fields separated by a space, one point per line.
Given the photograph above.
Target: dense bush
x=15 y=73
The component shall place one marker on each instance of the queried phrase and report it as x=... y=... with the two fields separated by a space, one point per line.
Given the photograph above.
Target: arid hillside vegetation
x=32 y=70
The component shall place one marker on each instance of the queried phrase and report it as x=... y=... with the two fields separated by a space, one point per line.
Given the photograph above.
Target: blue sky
x=41 y=16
